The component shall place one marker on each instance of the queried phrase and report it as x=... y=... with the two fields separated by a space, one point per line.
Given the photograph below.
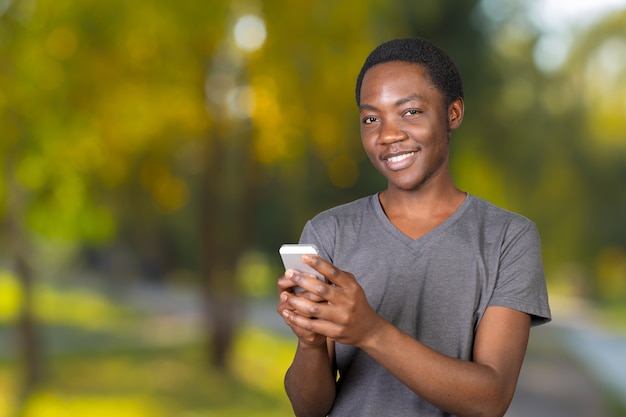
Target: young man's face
x=405 y=125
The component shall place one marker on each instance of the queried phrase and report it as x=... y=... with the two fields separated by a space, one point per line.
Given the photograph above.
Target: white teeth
x=400 y=157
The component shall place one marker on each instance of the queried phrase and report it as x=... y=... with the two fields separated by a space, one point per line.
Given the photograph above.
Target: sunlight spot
x=558 y=26
x=89 y=310
x=271 y=365
x=240 y=101
x=612 y=57
x=557 y=15
x=552 y=51
x=47 y=404
x=10 y=297
x=250 y=33
x=255 y=276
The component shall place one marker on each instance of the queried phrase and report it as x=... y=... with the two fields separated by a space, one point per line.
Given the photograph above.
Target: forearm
x=460 y=387
x=310 y=381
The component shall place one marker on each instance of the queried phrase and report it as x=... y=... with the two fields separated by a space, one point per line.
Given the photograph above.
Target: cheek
x=369 y=143
x=370 y=148
x=365 y=139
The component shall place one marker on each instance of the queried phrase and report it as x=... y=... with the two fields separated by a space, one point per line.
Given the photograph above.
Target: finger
x=306 y=325
x=301 y=305
x=303 y=334
x=310 y=296
x=287 y=283
x=333 y=274
x=307 y=282
x=284 y=283
x=282 y=303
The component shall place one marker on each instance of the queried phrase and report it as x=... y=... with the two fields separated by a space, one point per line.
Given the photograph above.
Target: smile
x=399 y=158
x=400 y=161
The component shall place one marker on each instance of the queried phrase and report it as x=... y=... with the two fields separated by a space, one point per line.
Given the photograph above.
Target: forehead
x=397 y=77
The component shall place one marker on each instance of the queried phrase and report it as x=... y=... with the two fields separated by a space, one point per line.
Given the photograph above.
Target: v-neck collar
x=432 y=234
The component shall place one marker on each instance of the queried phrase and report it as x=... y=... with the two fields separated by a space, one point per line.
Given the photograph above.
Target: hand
x=286 y=287
x=338 y=309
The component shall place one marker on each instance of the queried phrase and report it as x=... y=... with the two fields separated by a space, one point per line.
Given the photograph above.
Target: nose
x=391 y=132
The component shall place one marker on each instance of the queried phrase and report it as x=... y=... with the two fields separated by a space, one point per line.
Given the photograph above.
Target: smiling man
x=431 y=291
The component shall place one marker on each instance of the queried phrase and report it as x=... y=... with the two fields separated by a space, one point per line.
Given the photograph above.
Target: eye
x=412 y=112
x=369 y=120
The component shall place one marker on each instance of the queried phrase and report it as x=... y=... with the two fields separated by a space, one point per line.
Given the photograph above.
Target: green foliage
x=108 y=135
x=97 y=105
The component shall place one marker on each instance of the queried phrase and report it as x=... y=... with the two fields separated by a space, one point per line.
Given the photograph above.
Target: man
x=431 y=291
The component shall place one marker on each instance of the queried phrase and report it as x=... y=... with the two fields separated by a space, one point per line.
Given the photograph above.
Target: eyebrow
x=399 y=102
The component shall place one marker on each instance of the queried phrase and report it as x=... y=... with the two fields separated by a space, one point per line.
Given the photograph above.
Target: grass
x=106 y=358
x=167 y=382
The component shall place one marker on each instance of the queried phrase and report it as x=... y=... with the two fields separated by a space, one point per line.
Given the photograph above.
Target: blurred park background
x=155 y=155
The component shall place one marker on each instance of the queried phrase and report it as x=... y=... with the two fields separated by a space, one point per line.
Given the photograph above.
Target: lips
x=399 y=161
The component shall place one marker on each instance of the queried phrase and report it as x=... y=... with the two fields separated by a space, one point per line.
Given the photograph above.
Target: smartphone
x=291 y=255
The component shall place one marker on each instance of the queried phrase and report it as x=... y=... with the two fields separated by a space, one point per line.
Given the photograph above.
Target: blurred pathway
x=553 y=384
x=574 y=367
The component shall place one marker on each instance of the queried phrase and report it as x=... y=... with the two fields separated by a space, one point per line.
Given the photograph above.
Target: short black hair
x=439 y=66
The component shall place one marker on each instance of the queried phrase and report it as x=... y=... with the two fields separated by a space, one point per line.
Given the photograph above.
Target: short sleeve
x=521 y=283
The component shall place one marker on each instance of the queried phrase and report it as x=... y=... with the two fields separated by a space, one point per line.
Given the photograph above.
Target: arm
x=310 y=380
x=482 y=387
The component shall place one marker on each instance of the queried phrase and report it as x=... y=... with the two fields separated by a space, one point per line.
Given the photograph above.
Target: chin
x=406 y=187
x=409 y=185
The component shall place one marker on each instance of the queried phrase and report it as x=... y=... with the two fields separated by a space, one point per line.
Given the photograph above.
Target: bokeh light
x=250 y=33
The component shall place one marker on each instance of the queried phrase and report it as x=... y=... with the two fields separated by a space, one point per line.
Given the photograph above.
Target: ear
x=455 y=113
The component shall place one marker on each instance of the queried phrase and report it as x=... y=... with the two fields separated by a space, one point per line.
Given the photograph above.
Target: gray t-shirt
x=435 y=288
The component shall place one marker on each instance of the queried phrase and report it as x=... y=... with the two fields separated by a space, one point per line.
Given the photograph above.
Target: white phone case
x=291 y=255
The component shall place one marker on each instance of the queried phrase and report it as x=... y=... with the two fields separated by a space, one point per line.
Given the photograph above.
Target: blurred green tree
x=595 y=77
x=108 y=138
x=95 y=109
x=151 y=128
x=556 y=138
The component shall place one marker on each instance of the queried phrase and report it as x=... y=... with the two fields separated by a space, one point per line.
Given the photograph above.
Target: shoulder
x=491 y=215
x=343 y=212
x=339 y=225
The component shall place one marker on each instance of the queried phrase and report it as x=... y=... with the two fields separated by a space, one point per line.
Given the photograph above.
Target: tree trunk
x=28 y=346
x=28 y=341
x=227 y=226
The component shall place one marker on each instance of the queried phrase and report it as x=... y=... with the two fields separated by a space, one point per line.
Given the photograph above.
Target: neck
x=417 y=213
x=425 y=202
